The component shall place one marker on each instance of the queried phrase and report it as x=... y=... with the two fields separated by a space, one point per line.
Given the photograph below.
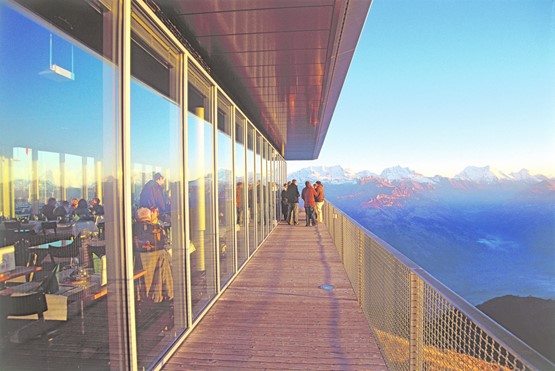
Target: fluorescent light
x=58 y=73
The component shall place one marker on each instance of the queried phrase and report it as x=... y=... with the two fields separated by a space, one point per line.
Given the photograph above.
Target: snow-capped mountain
x=525 y=176
x=403 y=173
x=397 y=172
x=485 y=174
x=366 y=174
x=469 y=176
x=330 y=174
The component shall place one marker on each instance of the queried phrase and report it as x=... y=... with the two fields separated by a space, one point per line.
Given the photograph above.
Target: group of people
x=77 y=209
x=313 y=198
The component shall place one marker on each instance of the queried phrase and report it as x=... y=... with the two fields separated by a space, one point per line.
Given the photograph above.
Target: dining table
x=17 y=272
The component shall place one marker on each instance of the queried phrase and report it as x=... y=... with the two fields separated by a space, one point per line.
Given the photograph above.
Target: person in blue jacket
x=152 y=194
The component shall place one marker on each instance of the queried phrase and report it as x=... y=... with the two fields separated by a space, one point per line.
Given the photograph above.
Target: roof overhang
x=282 y=61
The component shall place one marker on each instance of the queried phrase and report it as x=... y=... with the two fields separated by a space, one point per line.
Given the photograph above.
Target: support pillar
x=199 y=196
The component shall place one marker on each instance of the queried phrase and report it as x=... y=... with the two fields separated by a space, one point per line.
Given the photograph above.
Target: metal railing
x=417 y=321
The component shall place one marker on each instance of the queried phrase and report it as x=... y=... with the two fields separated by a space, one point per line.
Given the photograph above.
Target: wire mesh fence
x=417 y=321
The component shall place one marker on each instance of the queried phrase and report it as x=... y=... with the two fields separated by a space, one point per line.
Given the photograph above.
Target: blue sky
x=437 y=85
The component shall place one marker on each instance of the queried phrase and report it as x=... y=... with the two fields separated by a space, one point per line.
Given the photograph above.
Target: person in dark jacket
x=48 y=209
x=95 y=207
x=83 y=211
x=293 y=199
x=152 y=194
x=284 y=202
x=62 y=211
x=308 y=194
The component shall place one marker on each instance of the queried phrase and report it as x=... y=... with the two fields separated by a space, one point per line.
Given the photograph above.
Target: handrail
x=510 y=351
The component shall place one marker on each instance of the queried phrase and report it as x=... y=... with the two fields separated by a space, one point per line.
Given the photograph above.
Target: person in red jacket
x=319 y=188
x=308 y=195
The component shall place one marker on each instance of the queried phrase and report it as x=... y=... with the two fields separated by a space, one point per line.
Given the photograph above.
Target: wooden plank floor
x=274 y=316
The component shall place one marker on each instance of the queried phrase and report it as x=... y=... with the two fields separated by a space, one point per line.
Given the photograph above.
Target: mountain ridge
x=475 y=174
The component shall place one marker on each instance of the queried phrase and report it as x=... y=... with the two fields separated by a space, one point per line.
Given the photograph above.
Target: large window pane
x=240 y=190
x=200 y=163
x=251 y=189
x=59 y=140
x=265 y=188
x=226 y=215
x=259 y=199
x=154 y=154
x=158 y=249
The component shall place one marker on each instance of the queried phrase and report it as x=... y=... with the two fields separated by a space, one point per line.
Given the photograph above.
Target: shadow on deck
x=276 y=316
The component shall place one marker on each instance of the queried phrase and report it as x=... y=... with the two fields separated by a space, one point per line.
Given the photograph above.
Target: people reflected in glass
x=239 y=202
x=63 y=211
x=153 y=194
x=48 y=209
x=95 y=207
x=83 y=212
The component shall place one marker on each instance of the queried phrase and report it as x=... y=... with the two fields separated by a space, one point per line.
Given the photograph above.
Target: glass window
x=59 y=140
x=265 y=188
x=200 y=163
x=259 y=199
x=240 y=190
x=251 y=189
x=226 y=214
x=158 y=252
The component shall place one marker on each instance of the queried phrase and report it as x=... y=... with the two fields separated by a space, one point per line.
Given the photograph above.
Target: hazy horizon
x=300 y=165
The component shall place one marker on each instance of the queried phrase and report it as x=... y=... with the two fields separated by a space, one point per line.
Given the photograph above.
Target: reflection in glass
x=200 y=147
x=226 y=213
x=155 y=164
x=52 y=128
x=251 y=190
x=259 y=200
x=240 y=191
x=265 y=189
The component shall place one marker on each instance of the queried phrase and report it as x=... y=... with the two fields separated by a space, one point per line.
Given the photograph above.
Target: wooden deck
x=276 y=316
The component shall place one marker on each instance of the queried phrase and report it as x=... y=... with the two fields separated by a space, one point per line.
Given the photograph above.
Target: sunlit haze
x=440 y=85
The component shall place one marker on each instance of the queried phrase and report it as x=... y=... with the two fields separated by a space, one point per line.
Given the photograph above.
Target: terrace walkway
x=276 y=316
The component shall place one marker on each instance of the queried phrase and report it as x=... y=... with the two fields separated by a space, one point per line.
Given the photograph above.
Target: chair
x=23 y=305
x=21 y=253
x=49 y=284
x=49 y=226
x=12 y=225
x=65 y=252
x=23 y=257
x=100 y=225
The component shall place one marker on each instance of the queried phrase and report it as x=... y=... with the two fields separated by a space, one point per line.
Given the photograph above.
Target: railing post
x=360 y=262
x=416 y=322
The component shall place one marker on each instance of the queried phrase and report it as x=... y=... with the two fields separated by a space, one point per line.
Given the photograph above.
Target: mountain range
x=483 y=175
x=396 y=185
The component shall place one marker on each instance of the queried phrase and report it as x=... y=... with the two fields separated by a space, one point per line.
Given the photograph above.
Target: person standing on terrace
x=293 y=200
x=284 y=202
x=319 y=188
x=308 y=194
